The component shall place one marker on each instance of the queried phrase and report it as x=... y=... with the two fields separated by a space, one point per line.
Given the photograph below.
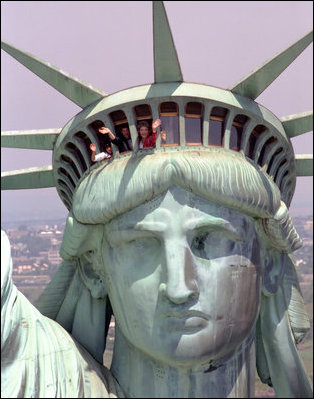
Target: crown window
x=103 y=139
x=236 y=132
x=281 y=183
x=77 y=153
x=168 y=108
x=169 y=116
x=273 y=158
x=83 y=136
x=64 y=173
x=65 y=196
x=65 y=189
x=118 y=117
x=193 y=123
x=143 y=112
x=281 y=165
x=69 y=161
x=289 y=188
x=85 y=140
x=264 y=151
x=217 y=125
x=250 y=148
x=61 y=182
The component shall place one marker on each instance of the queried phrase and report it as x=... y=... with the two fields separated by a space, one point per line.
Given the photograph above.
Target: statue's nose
x=180 y=283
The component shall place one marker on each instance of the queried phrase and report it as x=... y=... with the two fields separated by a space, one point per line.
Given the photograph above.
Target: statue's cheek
x=132 y=261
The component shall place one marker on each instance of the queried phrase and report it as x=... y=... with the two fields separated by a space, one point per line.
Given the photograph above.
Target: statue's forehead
x=178 y=203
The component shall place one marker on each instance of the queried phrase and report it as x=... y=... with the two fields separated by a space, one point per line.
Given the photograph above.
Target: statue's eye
x=213 y=244
x=199 y=241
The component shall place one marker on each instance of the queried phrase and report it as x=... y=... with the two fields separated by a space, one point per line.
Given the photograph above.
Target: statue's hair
x=119 y=186
x=221 y=176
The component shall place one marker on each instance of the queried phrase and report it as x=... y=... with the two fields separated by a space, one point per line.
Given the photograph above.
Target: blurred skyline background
x=110 y=45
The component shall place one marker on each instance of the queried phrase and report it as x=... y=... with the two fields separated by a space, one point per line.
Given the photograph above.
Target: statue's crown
x=194 y=116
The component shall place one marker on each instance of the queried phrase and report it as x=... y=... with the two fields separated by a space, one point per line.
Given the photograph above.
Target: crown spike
x=259 y=79
x=37 y=177
x=81 y=93
x=43 y=139
x=297 y=124
x=166 y=64
x=304 y=164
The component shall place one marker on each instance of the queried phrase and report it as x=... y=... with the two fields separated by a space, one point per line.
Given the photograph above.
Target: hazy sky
x=109 y=45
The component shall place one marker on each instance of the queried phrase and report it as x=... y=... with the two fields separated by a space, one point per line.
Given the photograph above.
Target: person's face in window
x=184 y=277
x=125 y=132
x=144 y=132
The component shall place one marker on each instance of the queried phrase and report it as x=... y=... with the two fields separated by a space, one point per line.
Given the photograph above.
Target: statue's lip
x=185 y=322
x=186 y=314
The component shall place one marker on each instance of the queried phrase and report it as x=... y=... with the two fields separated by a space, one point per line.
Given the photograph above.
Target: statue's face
x=184 y=277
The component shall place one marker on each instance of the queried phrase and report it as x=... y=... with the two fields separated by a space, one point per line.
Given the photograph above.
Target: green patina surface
x=166 y=63
x=76 y=90
x=297 y=124
x=30 y=139
x=258 y=80
x=38 y=177
x=304 y=165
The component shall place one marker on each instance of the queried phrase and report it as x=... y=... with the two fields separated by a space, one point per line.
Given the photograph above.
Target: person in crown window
x=102 y=155
x=146 y=137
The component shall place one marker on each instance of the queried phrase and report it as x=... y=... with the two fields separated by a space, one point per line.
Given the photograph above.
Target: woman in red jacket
x=147 y=138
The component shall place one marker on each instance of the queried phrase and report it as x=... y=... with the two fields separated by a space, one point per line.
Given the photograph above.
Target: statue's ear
x=79 y=238
x=89 y=276
x=274 y=264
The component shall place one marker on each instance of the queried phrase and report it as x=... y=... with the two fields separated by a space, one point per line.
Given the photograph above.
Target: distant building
x=54 y=257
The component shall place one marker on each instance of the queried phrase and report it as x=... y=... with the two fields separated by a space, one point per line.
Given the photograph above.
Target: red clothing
x=150 y=141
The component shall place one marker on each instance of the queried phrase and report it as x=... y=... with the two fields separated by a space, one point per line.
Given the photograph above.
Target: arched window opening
x=143 y=112
x=65 y=196
x=123 y=138
x=193 y=123
x=264 y=150
x=103 y=139
x=217 y=121
x=64 y=188
x=74 y=150
x=118 y=117
x=83 y=136
x=85 y=140
x=288 y=186
x=62 y=183
x=67 y=203
x=283 y=179
x=169 y=116
x=63 y=172
x=69 y=161
x=281 y=165
x=236 y=132
x=289 y=190
x=280 y=149
x=256 y=132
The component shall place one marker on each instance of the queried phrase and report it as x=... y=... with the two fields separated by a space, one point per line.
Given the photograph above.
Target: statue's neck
x=140 y=376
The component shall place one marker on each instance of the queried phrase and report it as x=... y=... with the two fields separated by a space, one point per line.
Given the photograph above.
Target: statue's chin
x=184 y=359
x=195 y=350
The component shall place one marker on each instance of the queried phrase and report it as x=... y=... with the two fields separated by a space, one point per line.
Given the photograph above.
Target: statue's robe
x=39 y=358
